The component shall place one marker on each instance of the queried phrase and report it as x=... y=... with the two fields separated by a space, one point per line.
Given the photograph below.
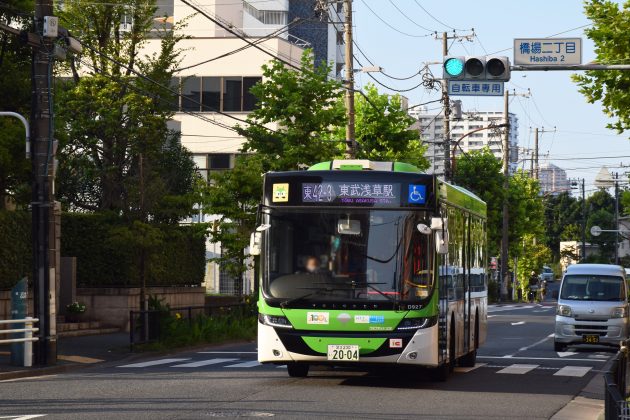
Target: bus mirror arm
x=439 y=226
x=254 y=243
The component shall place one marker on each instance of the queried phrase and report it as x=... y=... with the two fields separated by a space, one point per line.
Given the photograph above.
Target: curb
x=127 y=357
x=39 y=371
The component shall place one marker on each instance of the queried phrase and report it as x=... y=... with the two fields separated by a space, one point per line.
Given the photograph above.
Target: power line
x=384 y=85
x=409 y=19
x=436 y=19
x=392 y=27
x=382 y=72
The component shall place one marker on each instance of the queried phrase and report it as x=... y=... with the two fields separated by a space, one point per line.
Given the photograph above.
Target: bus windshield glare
x=347 y=255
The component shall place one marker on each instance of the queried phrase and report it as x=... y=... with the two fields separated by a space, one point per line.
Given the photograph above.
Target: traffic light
x=476 y=68
x=454 y=68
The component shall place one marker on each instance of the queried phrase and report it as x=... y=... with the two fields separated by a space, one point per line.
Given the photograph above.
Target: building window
x=211 y=93
x=226 y=94
x=191 y=88
x=207 y=163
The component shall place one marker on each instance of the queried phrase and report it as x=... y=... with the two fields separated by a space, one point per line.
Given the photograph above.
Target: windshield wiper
x=371 y=286
x=315 y=291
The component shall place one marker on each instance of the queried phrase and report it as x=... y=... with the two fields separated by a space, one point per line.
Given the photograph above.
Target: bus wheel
x=297 y=370
x=470 y=359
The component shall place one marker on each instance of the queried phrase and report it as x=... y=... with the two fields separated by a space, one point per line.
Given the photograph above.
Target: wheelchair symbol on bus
x=417 y=194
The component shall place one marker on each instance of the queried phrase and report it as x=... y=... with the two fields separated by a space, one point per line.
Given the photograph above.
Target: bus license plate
x=343 y=353
x=590 y=339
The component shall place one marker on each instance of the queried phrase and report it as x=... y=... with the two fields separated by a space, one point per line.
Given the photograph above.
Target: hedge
x=102 y=261
x=178 y=260
x=15 y=247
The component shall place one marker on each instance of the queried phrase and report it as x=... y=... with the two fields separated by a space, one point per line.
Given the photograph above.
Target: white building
x=431 y=128
x=553 y=180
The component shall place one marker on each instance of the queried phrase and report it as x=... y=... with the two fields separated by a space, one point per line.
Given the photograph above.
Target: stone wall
x=110 y=306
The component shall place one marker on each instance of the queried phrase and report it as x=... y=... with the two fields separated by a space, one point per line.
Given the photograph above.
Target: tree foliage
x=609 y=32
x=382 y=130
x=109 y=117
x=480 y=172
x=303 y=109
x=15 y=85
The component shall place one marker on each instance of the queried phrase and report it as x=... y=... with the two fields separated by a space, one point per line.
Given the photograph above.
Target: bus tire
x=470 y=359
x=441 y=373
x=297 y=370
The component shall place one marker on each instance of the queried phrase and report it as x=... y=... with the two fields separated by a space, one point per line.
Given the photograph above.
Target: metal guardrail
x=28 y=338
x=617 y=383
x=146 y=326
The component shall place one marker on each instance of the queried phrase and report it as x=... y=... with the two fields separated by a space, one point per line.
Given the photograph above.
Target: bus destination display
x=351 y=193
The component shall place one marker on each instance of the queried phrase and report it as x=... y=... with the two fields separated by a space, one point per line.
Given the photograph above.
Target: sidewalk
x=587 y=405
x=72 y=353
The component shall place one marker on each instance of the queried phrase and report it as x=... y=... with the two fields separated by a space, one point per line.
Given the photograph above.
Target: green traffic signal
x=454 y=67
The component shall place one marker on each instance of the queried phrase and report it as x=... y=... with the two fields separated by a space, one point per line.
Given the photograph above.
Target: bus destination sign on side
x=351 y=193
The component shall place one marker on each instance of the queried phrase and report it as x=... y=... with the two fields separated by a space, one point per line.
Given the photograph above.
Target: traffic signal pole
x=506 y=185
x=447 y=117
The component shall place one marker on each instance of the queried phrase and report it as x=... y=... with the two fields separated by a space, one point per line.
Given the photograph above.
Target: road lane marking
x=24 y=417
x=518 y=323
x=203 y=363
x=245 y=364
x=27 y=378
x=541 y=358
x=536 y=343
x=575 y=371
x=79 y=359
x=518 y=369
x=460 y=369
x=566 y=353
x=153 y=363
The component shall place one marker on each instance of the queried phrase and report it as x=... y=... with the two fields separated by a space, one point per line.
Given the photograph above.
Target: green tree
x=234 y=196
x=303 y=107
x=480 y=172
x=533 y=255
x=108 y=117
x=525 y=209
x=15 y=85
x=382 y=130
x=609 y=32
x=561 y=211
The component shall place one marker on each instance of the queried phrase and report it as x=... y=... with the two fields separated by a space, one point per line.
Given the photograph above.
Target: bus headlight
x=619 y=312
x=278 y=321
x=415 y=323
x=564 y=310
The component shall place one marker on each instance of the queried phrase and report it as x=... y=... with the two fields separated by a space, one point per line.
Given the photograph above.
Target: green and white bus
x=369 y=263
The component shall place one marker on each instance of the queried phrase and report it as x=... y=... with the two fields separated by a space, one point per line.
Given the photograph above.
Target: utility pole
x=583 y=221
x=42 y=167
x=349 y=83
x=506 y=184
x=535 y=158
x=447 y=105
x=616 y=217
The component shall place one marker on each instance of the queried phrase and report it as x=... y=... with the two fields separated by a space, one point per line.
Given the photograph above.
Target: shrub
x=104 y=260
x=15 y=247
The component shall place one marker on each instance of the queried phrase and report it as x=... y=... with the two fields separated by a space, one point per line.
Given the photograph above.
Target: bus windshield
x=593 y=287
x=343 y=255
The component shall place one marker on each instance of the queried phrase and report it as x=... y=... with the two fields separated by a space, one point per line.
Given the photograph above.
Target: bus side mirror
x=440 y=227
x=254 y=243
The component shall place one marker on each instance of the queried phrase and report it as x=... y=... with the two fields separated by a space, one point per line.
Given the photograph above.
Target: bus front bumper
x=421 y=350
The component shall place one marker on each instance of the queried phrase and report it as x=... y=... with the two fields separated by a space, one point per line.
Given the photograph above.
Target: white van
x=592 y=306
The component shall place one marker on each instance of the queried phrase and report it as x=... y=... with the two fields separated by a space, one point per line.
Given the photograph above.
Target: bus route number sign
x=351 y=193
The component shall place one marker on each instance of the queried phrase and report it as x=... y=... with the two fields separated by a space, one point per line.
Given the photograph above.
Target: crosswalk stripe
x=153 y=363
x=518 y=369
x=203 y=363
x=460 y=369
x=576 y=371
x=249 y=364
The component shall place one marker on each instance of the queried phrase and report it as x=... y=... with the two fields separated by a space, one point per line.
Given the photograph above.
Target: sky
x=555 y=101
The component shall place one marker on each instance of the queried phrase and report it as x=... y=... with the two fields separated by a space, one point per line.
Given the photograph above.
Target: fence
x=616 y=385
x=146 y=326
x=28 y=338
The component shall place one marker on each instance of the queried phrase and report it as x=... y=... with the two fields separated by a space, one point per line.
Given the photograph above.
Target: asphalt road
x=518 y=376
